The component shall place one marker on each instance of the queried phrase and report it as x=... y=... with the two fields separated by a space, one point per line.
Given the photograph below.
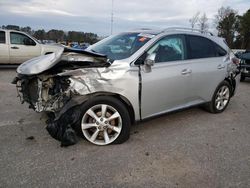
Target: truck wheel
x=220 y=98
x=104 y=120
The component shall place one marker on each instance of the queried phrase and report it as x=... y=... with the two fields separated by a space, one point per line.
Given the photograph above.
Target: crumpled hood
x=42 y=63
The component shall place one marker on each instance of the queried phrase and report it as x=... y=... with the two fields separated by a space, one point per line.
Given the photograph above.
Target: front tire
x=104 y=120
x=220 y=98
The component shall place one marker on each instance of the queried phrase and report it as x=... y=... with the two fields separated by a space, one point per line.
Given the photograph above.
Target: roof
x=11 y=30
x=171 y=29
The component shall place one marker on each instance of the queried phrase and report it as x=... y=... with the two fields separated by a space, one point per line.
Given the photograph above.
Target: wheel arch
x=210 y=106
x=232 y=83
x=80 y=99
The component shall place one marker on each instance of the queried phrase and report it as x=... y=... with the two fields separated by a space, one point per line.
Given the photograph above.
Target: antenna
x=112 y=17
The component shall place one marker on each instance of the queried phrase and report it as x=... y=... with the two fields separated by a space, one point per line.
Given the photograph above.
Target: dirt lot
x=191 y=148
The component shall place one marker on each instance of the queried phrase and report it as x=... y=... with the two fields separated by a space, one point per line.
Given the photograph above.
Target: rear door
x=166 y=87
x=22 y=48
x=209 y=63
x=4 y=48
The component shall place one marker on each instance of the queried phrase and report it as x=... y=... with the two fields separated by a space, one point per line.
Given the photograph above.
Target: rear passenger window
x=2 y=37
x=200 y=47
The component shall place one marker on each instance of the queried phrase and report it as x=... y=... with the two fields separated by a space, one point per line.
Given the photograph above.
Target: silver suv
x=126 y=78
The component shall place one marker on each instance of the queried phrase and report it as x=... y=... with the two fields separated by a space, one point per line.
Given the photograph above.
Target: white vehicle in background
x=17 y=47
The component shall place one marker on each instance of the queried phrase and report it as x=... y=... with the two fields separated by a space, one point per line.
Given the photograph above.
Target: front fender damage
x=60 y=91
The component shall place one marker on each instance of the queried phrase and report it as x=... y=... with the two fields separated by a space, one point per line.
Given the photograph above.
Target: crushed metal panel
x=43 y=63
x=108 y=79
x=40 y=64
x=118 y=78
x=90 y=80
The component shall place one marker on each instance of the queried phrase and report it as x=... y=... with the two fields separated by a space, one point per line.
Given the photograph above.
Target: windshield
x=121 y=46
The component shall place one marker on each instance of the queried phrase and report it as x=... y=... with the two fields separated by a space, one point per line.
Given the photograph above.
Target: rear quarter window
x=2 y=37
x=219 y=50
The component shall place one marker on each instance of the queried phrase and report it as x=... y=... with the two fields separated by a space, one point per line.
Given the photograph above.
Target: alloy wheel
x=101 y=124
x=222 y=97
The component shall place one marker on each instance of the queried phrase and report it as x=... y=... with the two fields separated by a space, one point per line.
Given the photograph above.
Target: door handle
x=14 y=47
x=220 y=66
x=186 y=71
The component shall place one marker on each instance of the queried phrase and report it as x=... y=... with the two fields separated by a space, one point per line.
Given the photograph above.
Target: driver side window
x=18 y=38
x=170 y=48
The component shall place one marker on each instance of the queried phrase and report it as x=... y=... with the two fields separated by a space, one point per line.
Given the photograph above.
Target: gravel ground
x=191 y=148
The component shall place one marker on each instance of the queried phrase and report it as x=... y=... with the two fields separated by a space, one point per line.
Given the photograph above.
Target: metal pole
x=112 y=16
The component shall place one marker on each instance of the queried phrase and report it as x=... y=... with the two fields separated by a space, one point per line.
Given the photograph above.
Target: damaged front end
x=46 y=84
x=43 y=92
x=42 y=82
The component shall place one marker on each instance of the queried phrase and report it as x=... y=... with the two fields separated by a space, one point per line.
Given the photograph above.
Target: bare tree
x=203 y=23
x=193 y=21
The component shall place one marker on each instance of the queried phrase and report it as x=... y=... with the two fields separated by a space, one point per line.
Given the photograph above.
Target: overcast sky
x=94 y=15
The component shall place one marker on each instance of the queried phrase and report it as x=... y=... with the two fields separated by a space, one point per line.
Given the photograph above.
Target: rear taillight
x=235 y=61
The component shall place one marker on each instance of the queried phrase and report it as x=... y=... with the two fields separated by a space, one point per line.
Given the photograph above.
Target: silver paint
x=164 y=88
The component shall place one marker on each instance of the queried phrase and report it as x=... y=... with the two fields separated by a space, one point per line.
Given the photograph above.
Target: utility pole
x=112 y=17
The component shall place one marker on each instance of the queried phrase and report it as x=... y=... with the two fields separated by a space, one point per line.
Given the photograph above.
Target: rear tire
x=220 y=98
x=104 y=120
x=242 y=78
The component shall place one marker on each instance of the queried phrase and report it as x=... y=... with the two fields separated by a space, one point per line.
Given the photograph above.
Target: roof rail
x=186 y=29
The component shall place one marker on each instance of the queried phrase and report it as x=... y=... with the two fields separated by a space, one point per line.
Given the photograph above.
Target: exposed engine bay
x=43 y=88
x=44 y=92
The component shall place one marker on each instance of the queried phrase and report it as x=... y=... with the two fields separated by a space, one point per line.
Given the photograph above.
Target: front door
x=22 y=48
x=4 y=48
x=166 y=87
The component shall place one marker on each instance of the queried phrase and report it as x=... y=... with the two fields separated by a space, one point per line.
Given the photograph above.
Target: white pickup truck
x=17 y=47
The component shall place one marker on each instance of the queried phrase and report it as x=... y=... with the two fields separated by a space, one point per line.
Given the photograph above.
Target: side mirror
x=150 y=60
